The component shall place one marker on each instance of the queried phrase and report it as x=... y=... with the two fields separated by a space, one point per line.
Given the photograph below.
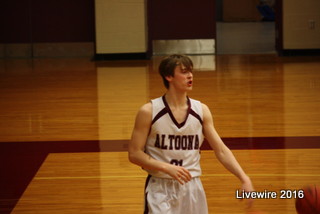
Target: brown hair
x=168 y=65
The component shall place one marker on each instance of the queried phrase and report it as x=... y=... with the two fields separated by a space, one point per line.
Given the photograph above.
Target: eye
x=184 y=70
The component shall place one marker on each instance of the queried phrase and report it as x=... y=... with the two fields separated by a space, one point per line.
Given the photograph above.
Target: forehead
x=184 y=66
x=181 y=68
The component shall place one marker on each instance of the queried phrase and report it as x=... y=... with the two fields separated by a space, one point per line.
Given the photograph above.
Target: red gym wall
x=26 y=21
x=72 y=21
x=181 y=19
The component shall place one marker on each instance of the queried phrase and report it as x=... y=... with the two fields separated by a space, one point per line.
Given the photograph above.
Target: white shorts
x=168 y=196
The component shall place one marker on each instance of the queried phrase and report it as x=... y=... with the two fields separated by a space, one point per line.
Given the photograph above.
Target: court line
x=144 y=176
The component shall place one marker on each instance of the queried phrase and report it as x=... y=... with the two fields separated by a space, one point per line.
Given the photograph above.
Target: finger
x=180 y=180
x=249 y=203
x=187 y=174
x=183 y=178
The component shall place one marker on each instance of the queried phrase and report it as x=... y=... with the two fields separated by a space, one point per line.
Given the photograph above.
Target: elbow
x=131 y=152
x=132 y=157
x=222 y=151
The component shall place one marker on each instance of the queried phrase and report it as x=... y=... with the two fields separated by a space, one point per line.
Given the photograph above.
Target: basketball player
x=166 y=140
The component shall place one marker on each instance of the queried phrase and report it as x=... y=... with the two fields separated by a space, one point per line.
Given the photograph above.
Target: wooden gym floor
x=65 y=126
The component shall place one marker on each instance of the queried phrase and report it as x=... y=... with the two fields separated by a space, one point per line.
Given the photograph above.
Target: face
x=182 y=79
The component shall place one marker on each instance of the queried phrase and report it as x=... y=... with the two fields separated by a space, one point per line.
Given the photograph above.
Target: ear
x=169 y=78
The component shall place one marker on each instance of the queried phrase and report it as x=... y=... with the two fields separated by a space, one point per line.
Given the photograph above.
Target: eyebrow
x=186 y=68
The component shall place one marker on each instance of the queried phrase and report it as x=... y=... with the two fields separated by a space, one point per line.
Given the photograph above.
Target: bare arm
x=222 y=152
x=137 y=145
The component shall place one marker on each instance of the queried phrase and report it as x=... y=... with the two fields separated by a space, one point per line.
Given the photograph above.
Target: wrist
x=245 y=179
x=163 y=167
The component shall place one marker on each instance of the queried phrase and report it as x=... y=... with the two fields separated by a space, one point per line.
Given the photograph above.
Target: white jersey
x=173 y=142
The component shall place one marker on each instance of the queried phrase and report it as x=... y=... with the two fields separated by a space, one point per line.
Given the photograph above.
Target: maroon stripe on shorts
x=146 y=208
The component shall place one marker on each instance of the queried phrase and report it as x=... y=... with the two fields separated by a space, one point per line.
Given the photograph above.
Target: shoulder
x=205 y=107
x=196 y=105
x=146 y=109
x=194 y=100
x=144 y=116
x=206 y=112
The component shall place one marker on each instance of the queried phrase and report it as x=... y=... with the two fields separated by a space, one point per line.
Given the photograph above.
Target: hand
x=248 y=187
x=181 y=174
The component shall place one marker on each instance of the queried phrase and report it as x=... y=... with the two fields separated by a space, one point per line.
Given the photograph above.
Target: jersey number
x=176 y=162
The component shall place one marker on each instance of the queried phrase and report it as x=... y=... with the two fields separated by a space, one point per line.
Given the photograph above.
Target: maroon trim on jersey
x=179 y=125
x=146 y=207
x=193 y=113
x=159 y=115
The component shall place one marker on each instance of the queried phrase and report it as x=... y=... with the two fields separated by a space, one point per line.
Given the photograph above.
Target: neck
x=176 y=99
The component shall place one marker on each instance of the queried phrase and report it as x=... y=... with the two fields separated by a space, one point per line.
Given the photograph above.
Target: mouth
x=190 y=83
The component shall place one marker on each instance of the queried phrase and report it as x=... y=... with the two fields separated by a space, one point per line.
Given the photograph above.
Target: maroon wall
x=14 y=21
x=26 y=21
x=181 y=19
x=31 y=21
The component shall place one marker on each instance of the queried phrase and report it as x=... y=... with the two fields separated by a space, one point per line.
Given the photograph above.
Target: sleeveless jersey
x=173 y=142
